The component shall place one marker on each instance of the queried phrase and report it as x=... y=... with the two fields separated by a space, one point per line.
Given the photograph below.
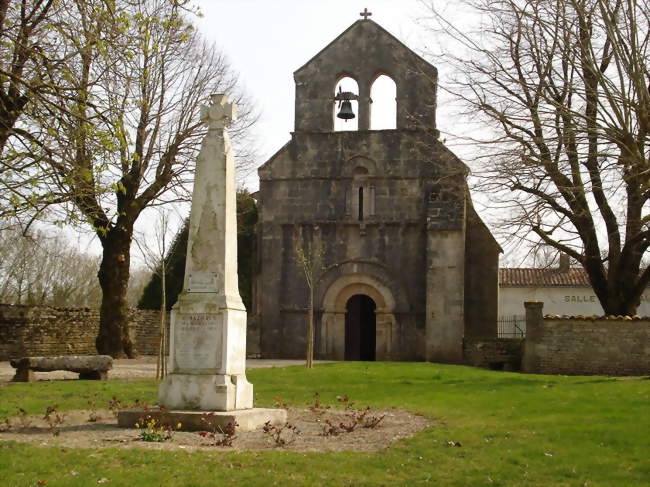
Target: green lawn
x=515 y=429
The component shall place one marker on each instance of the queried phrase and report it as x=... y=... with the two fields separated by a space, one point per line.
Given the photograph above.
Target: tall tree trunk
x=113 y=338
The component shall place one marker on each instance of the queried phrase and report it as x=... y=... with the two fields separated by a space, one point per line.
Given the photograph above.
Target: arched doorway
x=360 y=328
x=331 y=329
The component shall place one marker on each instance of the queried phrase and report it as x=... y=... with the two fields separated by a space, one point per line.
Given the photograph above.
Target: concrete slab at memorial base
x=246 y=419
x=206 y=392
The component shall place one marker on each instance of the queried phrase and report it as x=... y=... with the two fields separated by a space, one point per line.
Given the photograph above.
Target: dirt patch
x=77 y=431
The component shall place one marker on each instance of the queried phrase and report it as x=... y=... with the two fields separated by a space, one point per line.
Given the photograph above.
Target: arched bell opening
x=360 y=328
x=346 y=105
x=383 y=109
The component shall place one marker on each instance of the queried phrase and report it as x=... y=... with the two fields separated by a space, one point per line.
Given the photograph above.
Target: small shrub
x=346 y=401
x=115 y=405
x=279 y=403
x=137 y=404
x=92 y=414
x=350 y=426
x=360 y=417
x=54 y=419
x=154 y=430
x=23 y=418
x=330 y=429
x=281 y=435
x=317 y=407
x=217 y=435
x=371 y=422
x=355 y=418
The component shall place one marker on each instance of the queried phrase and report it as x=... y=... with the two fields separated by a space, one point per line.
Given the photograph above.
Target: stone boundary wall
x=47 y=331
x=144 y=329
x=585 y=345
x=494 y=353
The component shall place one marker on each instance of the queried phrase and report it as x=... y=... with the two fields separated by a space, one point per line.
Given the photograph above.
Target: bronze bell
x=346 y=112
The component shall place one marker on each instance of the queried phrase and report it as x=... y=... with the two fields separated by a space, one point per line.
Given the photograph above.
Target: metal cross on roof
x=365 y=14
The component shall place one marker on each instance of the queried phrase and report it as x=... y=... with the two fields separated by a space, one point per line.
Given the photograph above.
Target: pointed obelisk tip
x=220 y=113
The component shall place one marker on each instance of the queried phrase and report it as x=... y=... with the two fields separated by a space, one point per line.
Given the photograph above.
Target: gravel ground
x=143 y=367
x=76 y=431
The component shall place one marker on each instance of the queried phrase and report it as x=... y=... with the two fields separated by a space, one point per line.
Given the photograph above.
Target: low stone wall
x=585 y=345
x=48 y=331
x=144 y=329
x=494 y=353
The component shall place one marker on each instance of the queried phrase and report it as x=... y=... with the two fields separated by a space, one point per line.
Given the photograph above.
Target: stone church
x=407 y=267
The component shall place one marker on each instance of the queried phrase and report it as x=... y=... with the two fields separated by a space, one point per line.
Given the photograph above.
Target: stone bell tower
x=408 y=268
x=364 y=52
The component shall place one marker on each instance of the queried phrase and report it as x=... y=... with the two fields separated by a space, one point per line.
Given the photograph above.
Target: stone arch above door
x=356 y=272
x=332 y=324
x=348 y=285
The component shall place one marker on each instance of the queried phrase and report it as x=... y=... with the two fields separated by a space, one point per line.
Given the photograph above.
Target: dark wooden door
x=360 y=328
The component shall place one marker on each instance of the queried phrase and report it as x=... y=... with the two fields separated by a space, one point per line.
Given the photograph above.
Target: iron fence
x=511 y=326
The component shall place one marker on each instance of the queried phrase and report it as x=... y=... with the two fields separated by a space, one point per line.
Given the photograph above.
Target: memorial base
x=246 y=419
x=209 y=392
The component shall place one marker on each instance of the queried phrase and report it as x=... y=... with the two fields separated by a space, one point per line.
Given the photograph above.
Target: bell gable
x=364 y=52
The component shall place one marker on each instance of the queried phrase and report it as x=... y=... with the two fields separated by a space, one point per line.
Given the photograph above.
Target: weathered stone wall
x=481 y=278
x=306 y=193
x=494 y=353
x=585 y=346
x=47 y=331
x=144 y=329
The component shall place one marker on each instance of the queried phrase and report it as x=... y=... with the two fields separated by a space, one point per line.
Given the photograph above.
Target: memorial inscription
x=203 y=282
x=197 y=340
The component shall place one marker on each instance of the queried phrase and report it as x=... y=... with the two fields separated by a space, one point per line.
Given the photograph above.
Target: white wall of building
x=558 y=301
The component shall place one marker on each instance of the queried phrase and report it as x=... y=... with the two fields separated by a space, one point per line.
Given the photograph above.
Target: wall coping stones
x=597 y=318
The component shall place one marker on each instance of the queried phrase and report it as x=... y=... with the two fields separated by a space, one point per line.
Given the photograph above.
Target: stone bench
x=89 y=367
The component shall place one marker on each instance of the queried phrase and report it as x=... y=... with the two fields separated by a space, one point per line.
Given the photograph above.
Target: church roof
x=352 y=27
x=554 y=277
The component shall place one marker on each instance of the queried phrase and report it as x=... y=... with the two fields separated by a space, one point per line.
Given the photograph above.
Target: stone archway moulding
x=332 y=329
x=345 y=287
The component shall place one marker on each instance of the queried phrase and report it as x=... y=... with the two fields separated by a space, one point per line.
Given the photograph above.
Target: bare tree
x=43 y=268
x=27 y=55
x=123 y=132
x=561 y=87
x=155 y=259
x=309 y=255
x=23 y=57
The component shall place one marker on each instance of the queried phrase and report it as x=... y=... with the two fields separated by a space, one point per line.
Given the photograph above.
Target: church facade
x=404 y=268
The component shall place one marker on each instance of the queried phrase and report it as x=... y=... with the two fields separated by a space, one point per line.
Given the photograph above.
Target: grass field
x=515 y=430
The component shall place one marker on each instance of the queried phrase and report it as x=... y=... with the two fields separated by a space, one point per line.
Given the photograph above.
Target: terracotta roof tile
x=526 y=277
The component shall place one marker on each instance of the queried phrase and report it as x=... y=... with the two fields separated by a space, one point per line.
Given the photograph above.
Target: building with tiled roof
x=527 y=277
x=564 y=290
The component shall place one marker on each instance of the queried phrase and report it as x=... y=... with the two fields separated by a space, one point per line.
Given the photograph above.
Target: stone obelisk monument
x=208 y=322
